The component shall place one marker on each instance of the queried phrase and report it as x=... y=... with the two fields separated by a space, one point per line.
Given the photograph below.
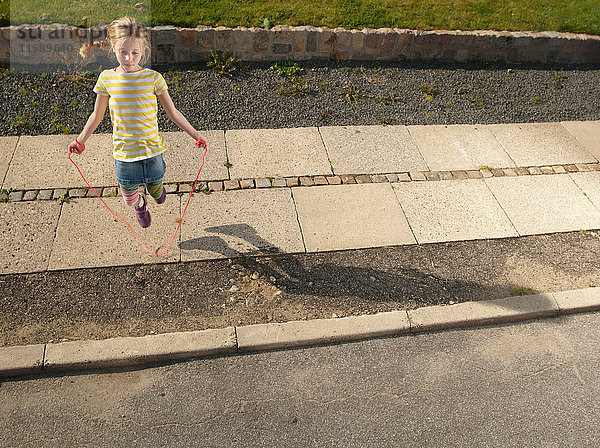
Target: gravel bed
x=328 y=94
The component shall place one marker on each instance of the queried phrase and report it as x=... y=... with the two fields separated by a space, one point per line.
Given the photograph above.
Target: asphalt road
x=533 y=384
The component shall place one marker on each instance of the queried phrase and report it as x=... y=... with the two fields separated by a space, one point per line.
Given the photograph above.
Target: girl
x=130 y=91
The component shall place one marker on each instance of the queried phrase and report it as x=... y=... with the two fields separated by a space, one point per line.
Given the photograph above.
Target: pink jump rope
x=162 y=252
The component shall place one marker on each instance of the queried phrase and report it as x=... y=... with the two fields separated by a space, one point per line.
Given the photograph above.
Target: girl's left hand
x=199 y=137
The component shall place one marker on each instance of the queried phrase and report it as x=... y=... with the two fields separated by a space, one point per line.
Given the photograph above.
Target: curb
x=138 y=351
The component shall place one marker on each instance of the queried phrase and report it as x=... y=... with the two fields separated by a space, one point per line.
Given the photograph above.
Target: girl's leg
x=158 y=192
x=132 y=196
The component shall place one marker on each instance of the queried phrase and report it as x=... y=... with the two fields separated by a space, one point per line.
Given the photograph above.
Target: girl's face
x=129 y=53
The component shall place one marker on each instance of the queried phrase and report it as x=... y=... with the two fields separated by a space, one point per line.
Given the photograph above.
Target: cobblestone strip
x=66 y=194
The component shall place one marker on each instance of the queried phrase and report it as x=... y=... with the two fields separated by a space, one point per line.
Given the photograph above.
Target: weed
x=352 y=94
x=297 y=87
x=64 y=199
x=429 y=91
x=375 y=65
x=286 y=69
x=34 y=103
x=323 y=86
x=223 y=64
x=559 y=80
x=22 y=121
x=265 y=23
x=228 y=164
x=522 y=291
x=326 y=116
x=74 y=103
x=358 y=70
x=538 y=100
x=486 y=168
x=22 y=90
x=386 y=121
x=345 y=69
x=477 y=100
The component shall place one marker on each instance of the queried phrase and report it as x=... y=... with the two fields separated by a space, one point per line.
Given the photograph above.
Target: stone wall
x=172 y=45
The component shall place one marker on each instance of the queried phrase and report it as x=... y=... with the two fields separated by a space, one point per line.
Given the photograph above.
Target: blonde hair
x=125 y=28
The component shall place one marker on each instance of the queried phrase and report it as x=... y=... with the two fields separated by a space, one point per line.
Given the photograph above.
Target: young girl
x=130 y=91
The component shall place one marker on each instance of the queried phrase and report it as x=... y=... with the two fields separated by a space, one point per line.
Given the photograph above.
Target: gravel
x=330 y=94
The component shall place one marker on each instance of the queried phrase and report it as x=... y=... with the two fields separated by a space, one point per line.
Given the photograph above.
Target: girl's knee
x=155 y=190
x=130 y=194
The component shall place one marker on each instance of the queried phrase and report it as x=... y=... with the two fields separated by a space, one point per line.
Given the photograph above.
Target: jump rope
x=157 y=253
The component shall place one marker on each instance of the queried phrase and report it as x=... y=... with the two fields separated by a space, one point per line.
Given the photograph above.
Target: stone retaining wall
x=173 y=45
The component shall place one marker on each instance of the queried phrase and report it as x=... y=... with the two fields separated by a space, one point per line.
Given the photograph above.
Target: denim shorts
x=147 y=171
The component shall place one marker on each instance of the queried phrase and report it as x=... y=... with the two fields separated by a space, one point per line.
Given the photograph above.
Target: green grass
x=580 y=16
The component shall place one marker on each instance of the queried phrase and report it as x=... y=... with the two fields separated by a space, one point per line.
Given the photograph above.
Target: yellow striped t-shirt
x=133 y=110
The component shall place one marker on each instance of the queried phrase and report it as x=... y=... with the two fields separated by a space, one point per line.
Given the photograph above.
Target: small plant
x=478 y=101
x=486 y=168
x=326 y=116
x=228 y=164
x=323 y=86
x=387 y=121
x=64 y=199
x=352 y=94
x=265 y=23
x=429 y=91
x=522 y=291
x=74 y=103
x=223 y=64
x=559 y=80
x=286 y=69
x=22 y=121
x=538 y=100
x=298 y=87
x=22 y=90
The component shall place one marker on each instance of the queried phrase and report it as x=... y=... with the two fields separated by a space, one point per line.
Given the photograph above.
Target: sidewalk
x=331 y=188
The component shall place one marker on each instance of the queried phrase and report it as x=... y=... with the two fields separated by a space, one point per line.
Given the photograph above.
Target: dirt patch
x=139 y=300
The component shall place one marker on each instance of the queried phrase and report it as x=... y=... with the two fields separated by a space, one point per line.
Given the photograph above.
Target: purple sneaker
x=163 y=197
x=142 y=214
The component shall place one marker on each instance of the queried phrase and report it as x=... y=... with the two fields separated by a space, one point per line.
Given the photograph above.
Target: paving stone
x=307 y=181
x=215 y=186
x=27 y=246
x=582 y=167
x=77 y=193
x=334 y=180
x=446 y=175
x=184 y=159
x=171 y=188
x=486 y=174
x=339 y=217
x=394 y=177
x=233 y=184
x=522 y=171
x=185 y=188
x=571 y=168
x=363 y=179
x=589 y=183
x=348 y=179
x=594 y=166
x=510 y=172
x=372 y=149
x=417 y=176
x=60 y=192
x=241 y=222
x=320 y=180
x=587 y=134
x=546 y=170
x=432 y=175
x=452 y=211
x=276 y=152
x=540 y=144
x=559 y=169
x=88 y=235
x=15 y=196
x=474 y=174
x=578 y=301
x=21 y=360
x=262 y=183
x=30 y=195
x=280 y=183
x=544 y=204
x=497 y=172
x=403 y=177
x=246 y=183
x=44 y=195
x=378 y=178
x=7 y=149
x=32 y=169
x=292 y=181
x=460 y=175
x=90 y=193
x=459 y=147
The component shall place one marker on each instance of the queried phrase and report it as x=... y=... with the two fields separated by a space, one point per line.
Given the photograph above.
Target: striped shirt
x=133 y=110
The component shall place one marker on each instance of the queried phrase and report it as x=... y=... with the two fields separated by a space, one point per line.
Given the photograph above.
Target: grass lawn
x=580 y=16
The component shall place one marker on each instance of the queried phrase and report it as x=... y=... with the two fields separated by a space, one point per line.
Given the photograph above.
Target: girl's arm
x=92 y=123
x=178 y=118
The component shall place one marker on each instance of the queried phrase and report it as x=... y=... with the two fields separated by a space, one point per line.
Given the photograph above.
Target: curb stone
x=137 y=351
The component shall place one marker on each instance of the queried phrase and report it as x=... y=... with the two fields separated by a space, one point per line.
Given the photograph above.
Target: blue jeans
x=147 y=171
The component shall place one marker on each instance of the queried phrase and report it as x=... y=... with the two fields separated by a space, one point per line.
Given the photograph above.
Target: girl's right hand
x=74 y=147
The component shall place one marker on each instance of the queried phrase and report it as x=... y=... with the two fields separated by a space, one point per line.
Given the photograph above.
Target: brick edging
x=179 y=45
x=66 y=194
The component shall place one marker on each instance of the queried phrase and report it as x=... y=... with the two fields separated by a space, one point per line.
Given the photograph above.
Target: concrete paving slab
x=321 y=331
x=372 y=149
x=276 y=153
x=42 y=162
x=589 y=184
x=544 y=204
x=183 y=159
x=587 y=133
x=27 y=235
x=249 y=222
x=351 y=216
x=540 y=144
x=21 y=360
x=578 y=301
x=459 y=147
x=508 y=309
x=118 y=352
x=7 y=149
x=88 y=235
x=453 y=211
